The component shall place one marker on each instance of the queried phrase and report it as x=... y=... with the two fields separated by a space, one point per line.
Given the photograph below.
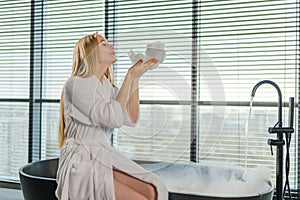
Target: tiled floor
x=10 y=194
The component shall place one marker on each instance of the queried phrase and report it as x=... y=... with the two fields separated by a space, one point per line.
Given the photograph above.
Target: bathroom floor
x=10 y=194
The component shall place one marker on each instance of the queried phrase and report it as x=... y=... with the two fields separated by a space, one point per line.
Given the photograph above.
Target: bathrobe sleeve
x=126 y=118
x=88 y=106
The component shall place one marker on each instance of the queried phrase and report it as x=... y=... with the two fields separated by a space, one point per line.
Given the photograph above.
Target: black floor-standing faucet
x=279 y=142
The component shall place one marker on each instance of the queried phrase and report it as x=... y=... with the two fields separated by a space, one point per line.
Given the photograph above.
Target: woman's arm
x=123 y=94
x=129 y=88
x=133 y=105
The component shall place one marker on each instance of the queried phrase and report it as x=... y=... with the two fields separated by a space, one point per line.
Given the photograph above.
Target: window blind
x=248 y=41
x=216 y=52
x=14 y=87
x=36 y=58
x=163 y=131
x=65 y=22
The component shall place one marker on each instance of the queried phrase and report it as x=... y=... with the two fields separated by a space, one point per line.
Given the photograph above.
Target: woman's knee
x=152 y=192
x=148 y=190
x=123 y=192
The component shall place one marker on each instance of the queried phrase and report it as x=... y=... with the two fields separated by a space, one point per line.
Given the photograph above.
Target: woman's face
x=106 y=51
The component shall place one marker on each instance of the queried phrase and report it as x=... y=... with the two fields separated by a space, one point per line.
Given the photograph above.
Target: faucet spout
x=279 y=142
x=279 y=97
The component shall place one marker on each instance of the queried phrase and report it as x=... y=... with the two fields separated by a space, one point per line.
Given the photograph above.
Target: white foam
x=153 y=50
x=212 y=180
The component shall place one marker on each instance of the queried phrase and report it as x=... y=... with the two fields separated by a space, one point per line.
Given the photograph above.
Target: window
x=165 y=93
x=216 y=52
x=36 y=58
x=65 y=22
x=14 y=86
x=194 y=106
x=249 y=41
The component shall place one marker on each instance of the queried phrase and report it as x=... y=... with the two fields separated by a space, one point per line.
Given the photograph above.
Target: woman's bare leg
x=123 y=192
x=146 y=189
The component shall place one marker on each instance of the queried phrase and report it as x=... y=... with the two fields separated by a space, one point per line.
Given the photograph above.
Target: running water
x=247 y=132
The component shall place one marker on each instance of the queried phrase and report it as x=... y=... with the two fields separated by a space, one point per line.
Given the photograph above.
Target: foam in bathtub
x=212 y=180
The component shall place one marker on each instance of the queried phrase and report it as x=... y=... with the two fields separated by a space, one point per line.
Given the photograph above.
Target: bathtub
x=38 y=182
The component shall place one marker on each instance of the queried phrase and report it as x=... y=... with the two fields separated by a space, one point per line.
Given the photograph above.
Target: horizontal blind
x=239 y=43
x=65 y=22
x=14 y=86
x=13 y=139
x=246 y=42
x=15 y=49
x=163 y=131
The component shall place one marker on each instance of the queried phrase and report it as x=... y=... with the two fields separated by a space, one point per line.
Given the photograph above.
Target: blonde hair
x=85 y=60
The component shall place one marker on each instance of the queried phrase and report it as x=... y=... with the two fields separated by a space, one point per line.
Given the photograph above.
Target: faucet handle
x=281 y=130
x=272 y=142
x=269 y=142
x=275 y=142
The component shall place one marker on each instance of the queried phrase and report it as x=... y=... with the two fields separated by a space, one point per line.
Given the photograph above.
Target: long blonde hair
x=85 y=60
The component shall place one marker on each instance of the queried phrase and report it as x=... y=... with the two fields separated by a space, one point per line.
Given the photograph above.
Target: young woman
x=91 y=107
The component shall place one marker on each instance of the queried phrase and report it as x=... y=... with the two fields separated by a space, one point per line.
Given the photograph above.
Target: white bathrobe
x=87 y=157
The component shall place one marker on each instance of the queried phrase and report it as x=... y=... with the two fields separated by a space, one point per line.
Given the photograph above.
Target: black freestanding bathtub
x=38 y=183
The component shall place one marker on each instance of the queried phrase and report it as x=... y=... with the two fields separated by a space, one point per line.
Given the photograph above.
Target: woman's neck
x=100 y=72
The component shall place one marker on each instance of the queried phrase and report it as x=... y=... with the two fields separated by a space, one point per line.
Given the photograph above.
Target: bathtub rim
x=270 y=190
x=21 y=171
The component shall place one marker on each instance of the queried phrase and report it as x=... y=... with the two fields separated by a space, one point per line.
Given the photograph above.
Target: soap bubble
x=135 y=56
x=156 y=50
x=153 y=50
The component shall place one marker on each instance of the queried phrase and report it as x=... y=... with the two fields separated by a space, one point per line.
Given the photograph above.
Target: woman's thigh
x=144 y=188
x=123 y=192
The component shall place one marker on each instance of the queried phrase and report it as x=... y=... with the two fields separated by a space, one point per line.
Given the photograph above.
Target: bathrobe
x=87 y=159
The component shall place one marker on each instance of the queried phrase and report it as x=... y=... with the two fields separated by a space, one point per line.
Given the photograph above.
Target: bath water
x=212 y=178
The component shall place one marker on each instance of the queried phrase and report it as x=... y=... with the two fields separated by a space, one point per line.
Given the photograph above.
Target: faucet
x=279 y=142
x=279 y=97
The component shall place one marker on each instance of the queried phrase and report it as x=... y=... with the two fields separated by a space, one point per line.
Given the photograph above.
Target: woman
x=91 y=107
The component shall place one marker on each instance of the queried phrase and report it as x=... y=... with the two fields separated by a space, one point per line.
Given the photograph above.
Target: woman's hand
x=134 y=73
x=139 y=68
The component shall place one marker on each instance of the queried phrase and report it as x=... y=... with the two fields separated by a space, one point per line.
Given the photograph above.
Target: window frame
x=36 y=77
